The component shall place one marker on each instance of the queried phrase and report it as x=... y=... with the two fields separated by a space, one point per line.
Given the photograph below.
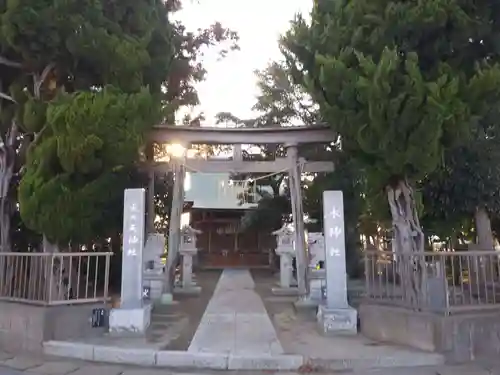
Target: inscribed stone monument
x=134 y=315
x=335 y=316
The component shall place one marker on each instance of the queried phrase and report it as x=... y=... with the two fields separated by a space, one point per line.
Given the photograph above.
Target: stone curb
x=170 y=358
x=324 y=364
x=215 y=361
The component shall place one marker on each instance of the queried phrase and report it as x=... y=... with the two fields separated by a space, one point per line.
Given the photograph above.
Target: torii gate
x=289 y=137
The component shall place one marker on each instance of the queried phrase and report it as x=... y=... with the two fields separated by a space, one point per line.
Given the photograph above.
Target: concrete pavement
x=105 y=370
x=8 y=371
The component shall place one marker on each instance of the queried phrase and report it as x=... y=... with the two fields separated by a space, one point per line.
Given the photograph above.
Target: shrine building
x=216 y=207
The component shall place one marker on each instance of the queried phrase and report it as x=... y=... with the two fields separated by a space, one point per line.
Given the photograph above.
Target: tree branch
x=7 y=62
x=38 y=136
x=7 y=97
x=40 y=79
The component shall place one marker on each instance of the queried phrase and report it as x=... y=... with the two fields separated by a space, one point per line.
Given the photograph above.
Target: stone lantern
x=187 y=250
x=153 y=277
x=286 y=252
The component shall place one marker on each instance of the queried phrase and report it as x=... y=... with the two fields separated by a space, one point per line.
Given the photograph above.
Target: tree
x=466 y=186
x=280 y=102
x=401 y=82
x=10 y=72
x=69 y=52
x=78 y=170
x=181 y=97
x=163 y=201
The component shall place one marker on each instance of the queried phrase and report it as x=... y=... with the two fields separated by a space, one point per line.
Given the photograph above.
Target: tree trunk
x=7 y=165
x=62 y=285
x=483 y=229
x=481 y=269
x=174 y=233
x=408 y=241
x=8 y=156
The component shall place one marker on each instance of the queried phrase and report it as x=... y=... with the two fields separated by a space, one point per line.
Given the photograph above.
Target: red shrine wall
x=223 y=244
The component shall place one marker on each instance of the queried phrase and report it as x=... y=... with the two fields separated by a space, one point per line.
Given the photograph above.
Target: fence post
x=106 y=277
x=423 y=301
x=50 y=273
x=367 y=275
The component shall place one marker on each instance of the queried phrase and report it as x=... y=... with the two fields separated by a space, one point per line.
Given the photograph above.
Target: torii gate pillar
x=298 y=219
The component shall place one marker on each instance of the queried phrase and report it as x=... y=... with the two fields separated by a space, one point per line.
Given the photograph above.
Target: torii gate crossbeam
x=244 y=167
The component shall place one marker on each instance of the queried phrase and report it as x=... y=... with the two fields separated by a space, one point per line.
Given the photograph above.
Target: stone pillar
x=286 y=252
x=134 y=315
x=151 y=202
x=336 y=316
x=298 y=219
x=188 y=250
x=237 y=153
x=150 y=225
x=174 y=228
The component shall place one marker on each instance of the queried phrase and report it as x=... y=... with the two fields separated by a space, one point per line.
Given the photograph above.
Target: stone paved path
x=237 y=318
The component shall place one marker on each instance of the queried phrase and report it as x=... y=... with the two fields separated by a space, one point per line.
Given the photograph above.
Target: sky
x=231 y=83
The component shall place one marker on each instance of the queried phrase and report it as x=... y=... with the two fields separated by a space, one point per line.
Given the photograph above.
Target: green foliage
x=398 y=80
x=469 y=178
x=48 y=48
x=34 y=115
x=164 y=185
x=94 y=34
x=82 y=164
x=89 y=89
x=82 y=121
x=271 y=212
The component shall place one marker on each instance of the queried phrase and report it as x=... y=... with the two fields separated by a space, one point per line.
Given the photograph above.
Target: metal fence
x=444 y=282
x=54 y=278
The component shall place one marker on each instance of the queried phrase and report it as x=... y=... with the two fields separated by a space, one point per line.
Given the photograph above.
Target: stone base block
x=167 y=299
x=156 y=286
x=281 y=291
x=316 y=289
x=189 y=290
x=337 y=321
x=306 y=303
x=130 y=321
